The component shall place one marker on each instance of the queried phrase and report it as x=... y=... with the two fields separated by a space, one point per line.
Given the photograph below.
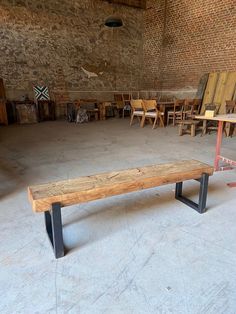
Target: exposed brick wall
x=200 y=37
x=47 y=40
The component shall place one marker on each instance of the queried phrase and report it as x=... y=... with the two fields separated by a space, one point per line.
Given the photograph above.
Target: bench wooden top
x=84 y=189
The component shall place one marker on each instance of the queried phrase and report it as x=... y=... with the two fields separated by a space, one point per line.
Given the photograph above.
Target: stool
x=190 y=127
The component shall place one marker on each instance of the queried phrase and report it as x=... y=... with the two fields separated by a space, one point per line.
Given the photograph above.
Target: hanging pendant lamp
x=113 y=21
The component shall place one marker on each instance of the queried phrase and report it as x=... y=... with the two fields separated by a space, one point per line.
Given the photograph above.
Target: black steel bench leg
x=54 y=229
x=201 y=206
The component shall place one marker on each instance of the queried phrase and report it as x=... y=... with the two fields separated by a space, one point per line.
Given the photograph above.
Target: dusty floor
x=137 y=253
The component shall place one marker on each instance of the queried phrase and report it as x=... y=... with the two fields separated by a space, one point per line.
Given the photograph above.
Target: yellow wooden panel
x=229 y=90
x=220 y=88
x=210 y=90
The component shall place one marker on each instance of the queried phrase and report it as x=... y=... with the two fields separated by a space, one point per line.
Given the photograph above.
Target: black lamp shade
x=113 y=22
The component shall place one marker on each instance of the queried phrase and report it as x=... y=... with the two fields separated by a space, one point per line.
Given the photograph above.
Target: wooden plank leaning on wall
x=3 y=110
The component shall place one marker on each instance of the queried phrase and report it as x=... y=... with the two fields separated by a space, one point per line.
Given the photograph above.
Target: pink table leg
x=218 y=145
x=232 y=184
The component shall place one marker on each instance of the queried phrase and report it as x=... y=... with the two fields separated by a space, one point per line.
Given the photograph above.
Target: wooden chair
x=187 y=108
x=188 y=124
x=191 y=108
x=126 y=102
x=118 y=98
x=151 y=112
x=177 y=114
x=197 y=103
x=230 y=108
x=137 y=109
x=209 y=126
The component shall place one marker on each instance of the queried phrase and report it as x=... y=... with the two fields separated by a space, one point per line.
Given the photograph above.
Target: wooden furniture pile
x=176 y=111
x=51 y=197
x=206 y=124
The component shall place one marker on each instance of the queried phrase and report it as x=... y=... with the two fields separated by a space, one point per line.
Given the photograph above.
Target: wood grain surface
x=84 y=189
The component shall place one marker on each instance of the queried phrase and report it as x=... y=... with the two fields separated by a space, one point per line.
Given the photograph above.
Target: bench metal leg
x=201 y=206
x=54 y=229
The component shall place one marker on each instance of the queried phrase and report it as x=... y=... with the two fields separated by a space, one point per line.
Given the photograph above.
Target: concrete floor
x=137 y=253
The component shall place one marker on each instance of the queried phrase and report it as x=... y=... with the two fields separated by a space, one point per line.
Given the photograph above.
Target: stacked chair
x=123 y=103
x=190 y=108
x=177 y=113
x=146 y=109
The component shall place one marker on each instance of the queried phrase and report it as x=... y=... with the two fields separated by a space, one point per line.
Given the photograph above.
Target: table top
x=223 y=117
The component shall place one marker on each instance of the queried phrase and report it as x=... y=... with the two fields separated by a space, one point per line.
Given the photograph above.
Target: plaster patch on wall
x=89 y=74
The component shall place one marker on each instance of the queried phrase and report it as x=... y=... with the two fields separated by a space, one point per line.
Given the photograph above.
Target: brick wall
x=198 y=37
x=47 y=41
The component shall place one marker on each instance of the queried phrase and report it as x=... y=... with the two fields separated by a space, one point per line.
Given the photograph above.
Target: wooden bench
x=49 y=198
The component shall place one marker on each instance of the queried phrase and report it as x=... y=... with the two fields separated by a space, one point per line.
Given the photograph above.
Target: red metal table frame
x=218 y=157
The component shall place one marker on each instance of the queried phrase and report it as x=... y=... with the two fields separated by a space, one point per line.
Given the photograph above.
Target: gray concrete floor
x=142 y=252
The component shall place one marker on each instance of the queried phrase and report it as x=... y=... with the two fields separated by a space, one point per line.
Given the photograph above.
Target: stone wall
x=65 y=45
x=185 y=39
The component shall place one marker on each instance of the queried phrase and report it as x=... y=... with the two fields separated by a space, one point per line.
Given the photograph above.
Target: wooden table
x=218 y=157
x=163 y=105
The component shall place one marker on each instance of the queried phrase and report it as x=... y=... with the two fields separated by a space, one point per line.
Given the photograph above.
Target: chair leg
x=204 y=127
x=233 y=131
x=150 y=120
x=173 y=120
x=168 y=118
x=193 y=130
x=142 y=122
x=162 y=121
x=227 y=129
x=154 y=123
x=131 y=120
x=181 y=129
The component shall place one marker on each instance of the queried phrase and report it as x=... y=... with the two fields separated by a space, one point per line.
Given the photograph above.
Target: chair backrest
x=197 y=103
x=179 y=104
x=149 y=105
x=118 y=97
x=137 y=104
x=126 y=100
x=126 y=97
x=188 y=104
x=119 y=101
x=215 y=107
x=193 y=105
x=230 y=106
